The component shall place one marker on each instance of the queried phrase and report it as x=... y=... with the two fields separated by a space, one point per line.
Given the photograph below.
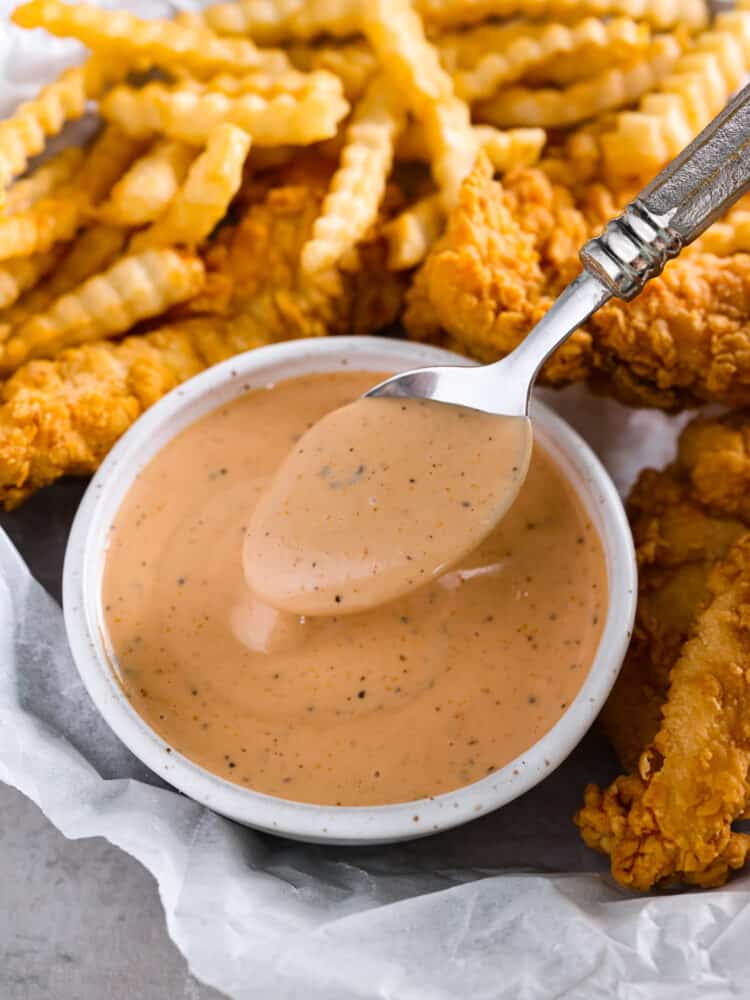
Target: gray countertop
x=79 y=920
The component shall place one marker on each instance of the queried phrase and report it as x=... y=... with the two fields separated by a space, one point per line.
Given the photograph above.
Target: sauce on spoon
x=377 y=499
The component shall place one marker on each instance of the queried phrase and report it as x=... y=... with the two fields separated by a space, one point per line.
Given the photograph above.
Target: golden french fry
x=93 y=250
x=487 y=56
x=52 y=220
x=614 y=88
x=202 y=201
x=270 y=22
x=659 y=14
x=491 y=55
x=396 y=33
x=42 y=182
x=353 y=63
x=19 y=274
x=135 y=288
x=411 y=234
x=515 y=147
x=452 y=143
x=183 y=114
x=24 y=134
x=266 y=85
x=145 y=191
x=273 y=21
x=357 y=188
x=618 y=40
x=640 y=142
x=161 y=43
x=58 y=218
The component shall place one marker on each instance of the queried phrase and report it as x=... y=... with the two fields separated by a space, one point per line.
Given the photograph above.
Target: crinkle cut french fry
x=273 y=21
x=93 y=250
x=42 y=182
x=490 y=55
x=411 y=234
x=203 y=200
x=24 y=134
x=452 y=143
x=270 y=22
x=19 y=274
x=607 y=91
x=52 y=220
x=145 y=191
x=58 y=218
x=267 y=85
x=396 y=33
x=135 y=288
x=397 y=36
x=659 y=14
x=191 y=116
x=353 y=63
x=515 y=147
x=357 y=188
x=106 y=160
x=701 y=82
x=163 y=43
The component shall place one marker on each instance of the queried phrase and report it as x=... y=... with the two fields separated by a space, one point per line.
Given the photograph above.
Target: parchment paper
x=510 y=906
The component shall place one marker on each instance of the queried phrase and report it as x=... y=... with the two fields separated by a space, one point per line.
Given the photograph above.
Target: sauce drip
x=417 y=697
x=379 y=497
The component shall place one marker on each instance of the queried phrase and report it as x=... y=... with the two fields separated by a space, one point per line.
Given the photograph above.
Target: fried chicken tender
x=678 y=715
x=672 y=820
x=677 y=542
x=507 y=251
x=510 y=248
x=60 y=417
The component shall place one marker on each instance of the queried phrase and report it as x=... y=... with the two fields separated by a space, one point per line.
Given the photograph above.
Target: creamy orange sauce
x=417 y=697
x=379 y=497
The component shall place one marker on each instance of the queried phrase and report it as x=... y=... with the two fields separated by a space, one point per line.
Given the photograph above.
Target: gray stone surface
x=79 y=920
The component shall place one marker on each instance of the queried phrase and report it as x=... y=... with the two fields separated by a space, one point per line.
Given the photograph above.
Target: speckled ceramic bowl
x=335 y=824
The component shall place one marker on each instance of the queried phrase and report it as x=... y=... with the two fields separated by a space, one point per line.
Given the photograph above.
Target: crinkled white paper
x=511 y=906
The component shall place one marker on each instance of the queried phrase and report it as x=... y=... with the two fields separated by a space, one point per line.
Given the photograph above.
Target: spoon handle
x=677 y=206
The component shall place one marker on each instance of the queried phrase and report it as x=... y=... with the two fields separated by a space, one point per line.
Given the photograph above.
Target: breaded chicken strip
x=679 y=715
x=510 y=248
x=60 y=417
x=672 y=820
x=677 y=543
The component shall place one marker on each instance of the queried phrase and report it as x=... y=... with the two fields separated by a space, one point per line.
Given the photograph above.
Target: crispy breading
x=677 y=716
x=507 y=251
x=510 y=248
x=677 y=542
x=60 y=417
x=673 y=818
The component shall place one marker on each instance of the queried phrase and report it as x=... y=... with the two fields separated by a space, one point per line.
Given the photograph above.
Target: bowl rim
x=84 y=558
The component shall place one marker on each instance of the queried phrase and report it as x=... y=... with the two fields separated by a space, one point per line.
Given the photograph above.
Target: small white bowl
x=333 y=824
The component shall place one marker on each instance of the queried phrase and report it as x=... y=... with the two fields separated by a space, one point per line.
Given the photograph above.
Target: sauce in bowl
x=419 y=696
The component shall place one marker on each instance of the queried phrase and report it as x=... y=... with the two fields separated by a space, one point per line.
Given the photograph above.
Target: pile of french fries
x=94 y=241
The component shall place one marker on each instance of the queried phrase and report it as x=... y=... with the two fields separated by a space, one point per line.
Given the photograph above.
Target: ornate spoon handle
x=674 y=209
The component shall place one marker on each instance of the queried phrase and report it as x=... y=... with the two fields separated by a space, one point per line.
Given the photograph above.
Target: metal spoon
x=673 y=210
